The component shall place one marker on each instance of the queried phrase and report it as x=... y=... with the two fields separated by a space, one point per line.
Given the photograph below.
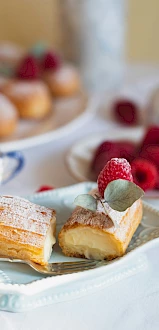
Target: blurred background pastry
x=63 y=82
x=32 y=98
x=8 y=116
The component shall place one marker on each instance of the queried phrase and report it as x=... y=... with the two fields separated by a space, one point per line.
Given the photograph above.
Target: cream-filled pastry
x=32 y=98
x=27 y=230
x=94 y=236
x=64 y=81
x=103 y=233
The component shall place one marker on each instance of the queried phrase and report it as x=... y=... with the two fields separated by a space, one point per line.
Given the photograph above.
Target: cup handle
x=16 y=155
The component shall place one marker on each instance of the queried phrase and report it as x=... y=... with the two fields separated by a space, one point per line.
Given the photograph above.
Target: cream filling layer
x=50 y=240
x=91 y=243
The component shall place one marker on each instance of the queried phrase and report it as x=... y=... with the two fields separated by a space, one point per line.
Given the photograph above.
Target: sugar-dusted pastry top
x=101 y=220
x=88 y=218
x=19 y=219
x=25 y=88
x=65 y=74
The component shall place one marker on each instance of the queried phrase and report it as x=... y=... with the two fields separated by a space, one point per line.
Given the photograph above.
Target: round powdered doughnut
x=63 y=82
x=32 y=98
x=8 y=116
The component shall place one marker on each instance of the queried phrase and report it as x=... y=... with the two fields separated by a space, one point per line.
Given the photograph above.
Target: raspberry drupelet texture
x=116 y=168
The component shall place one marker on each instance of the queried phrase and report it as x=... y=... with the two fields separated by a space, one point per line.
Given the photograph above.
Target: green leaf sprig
x=119 y=195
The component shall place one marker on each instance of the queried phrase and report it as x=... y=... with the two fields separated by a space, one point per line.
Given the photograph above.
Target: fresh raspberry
x=28 y=69
x=151 y=152
x=51 y=61
x=144 y=173
x=44 y=188
x=116 y=168
x=104 y=152
x=108 y=150
x=126 y=112
x=157 y=183
x=151 y=136
x=126 y=150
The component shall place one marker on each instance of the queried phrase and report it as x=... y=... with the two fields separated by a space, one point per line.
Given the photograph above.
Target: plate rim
x=40 y=139
x=32 y=288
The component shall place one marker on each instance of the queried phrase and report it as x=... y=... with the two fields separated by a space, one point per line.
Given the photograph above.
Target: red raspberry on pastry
x=116 y=168
x=28 y=69
x=151 y=136
x=144 y=173
x=126 y=112
x=51 y=61
x=151 y=152
x=45 y=188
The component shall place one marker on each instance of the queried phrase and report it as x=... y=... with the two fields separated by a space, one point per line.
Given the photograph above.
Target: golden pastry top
x=25 y=89
x=102 y=221
x=19 y=219
x=88 y=218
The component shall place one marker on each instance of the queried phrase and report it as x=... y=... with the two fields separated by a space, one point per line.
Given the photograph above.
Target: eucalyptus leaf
x=39 y=49
x=86 y=201
x=121 y=194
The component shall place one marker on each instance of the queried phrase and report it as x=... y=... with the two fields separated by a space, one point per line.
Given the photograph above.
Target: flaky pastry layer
x=27 y=230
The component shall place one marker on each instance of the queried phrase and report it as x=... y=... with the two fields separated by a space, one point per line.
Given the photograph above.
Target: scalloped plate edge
x=33 y=288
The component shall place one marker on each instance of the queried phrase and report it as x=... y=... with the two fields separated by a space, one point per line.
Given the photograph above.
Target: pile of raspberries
x=143 y=157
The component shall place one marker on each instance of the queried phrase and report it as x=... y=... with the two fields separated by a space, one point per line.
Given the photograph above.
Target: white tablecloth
x=129 y=304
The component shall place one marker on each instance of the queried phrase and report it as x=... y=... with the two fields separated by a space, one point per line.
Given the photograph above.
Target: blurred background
x=78 y=59
x=26 y=21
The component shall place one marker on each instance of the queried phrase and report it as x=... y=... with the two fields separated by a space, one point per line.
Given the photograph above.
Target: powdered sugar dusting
x=114 y=215
x=122 y=230
x=19 y=219
x=25 y=89
x=65 y=74
x=103 y=218
x=88 y=218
